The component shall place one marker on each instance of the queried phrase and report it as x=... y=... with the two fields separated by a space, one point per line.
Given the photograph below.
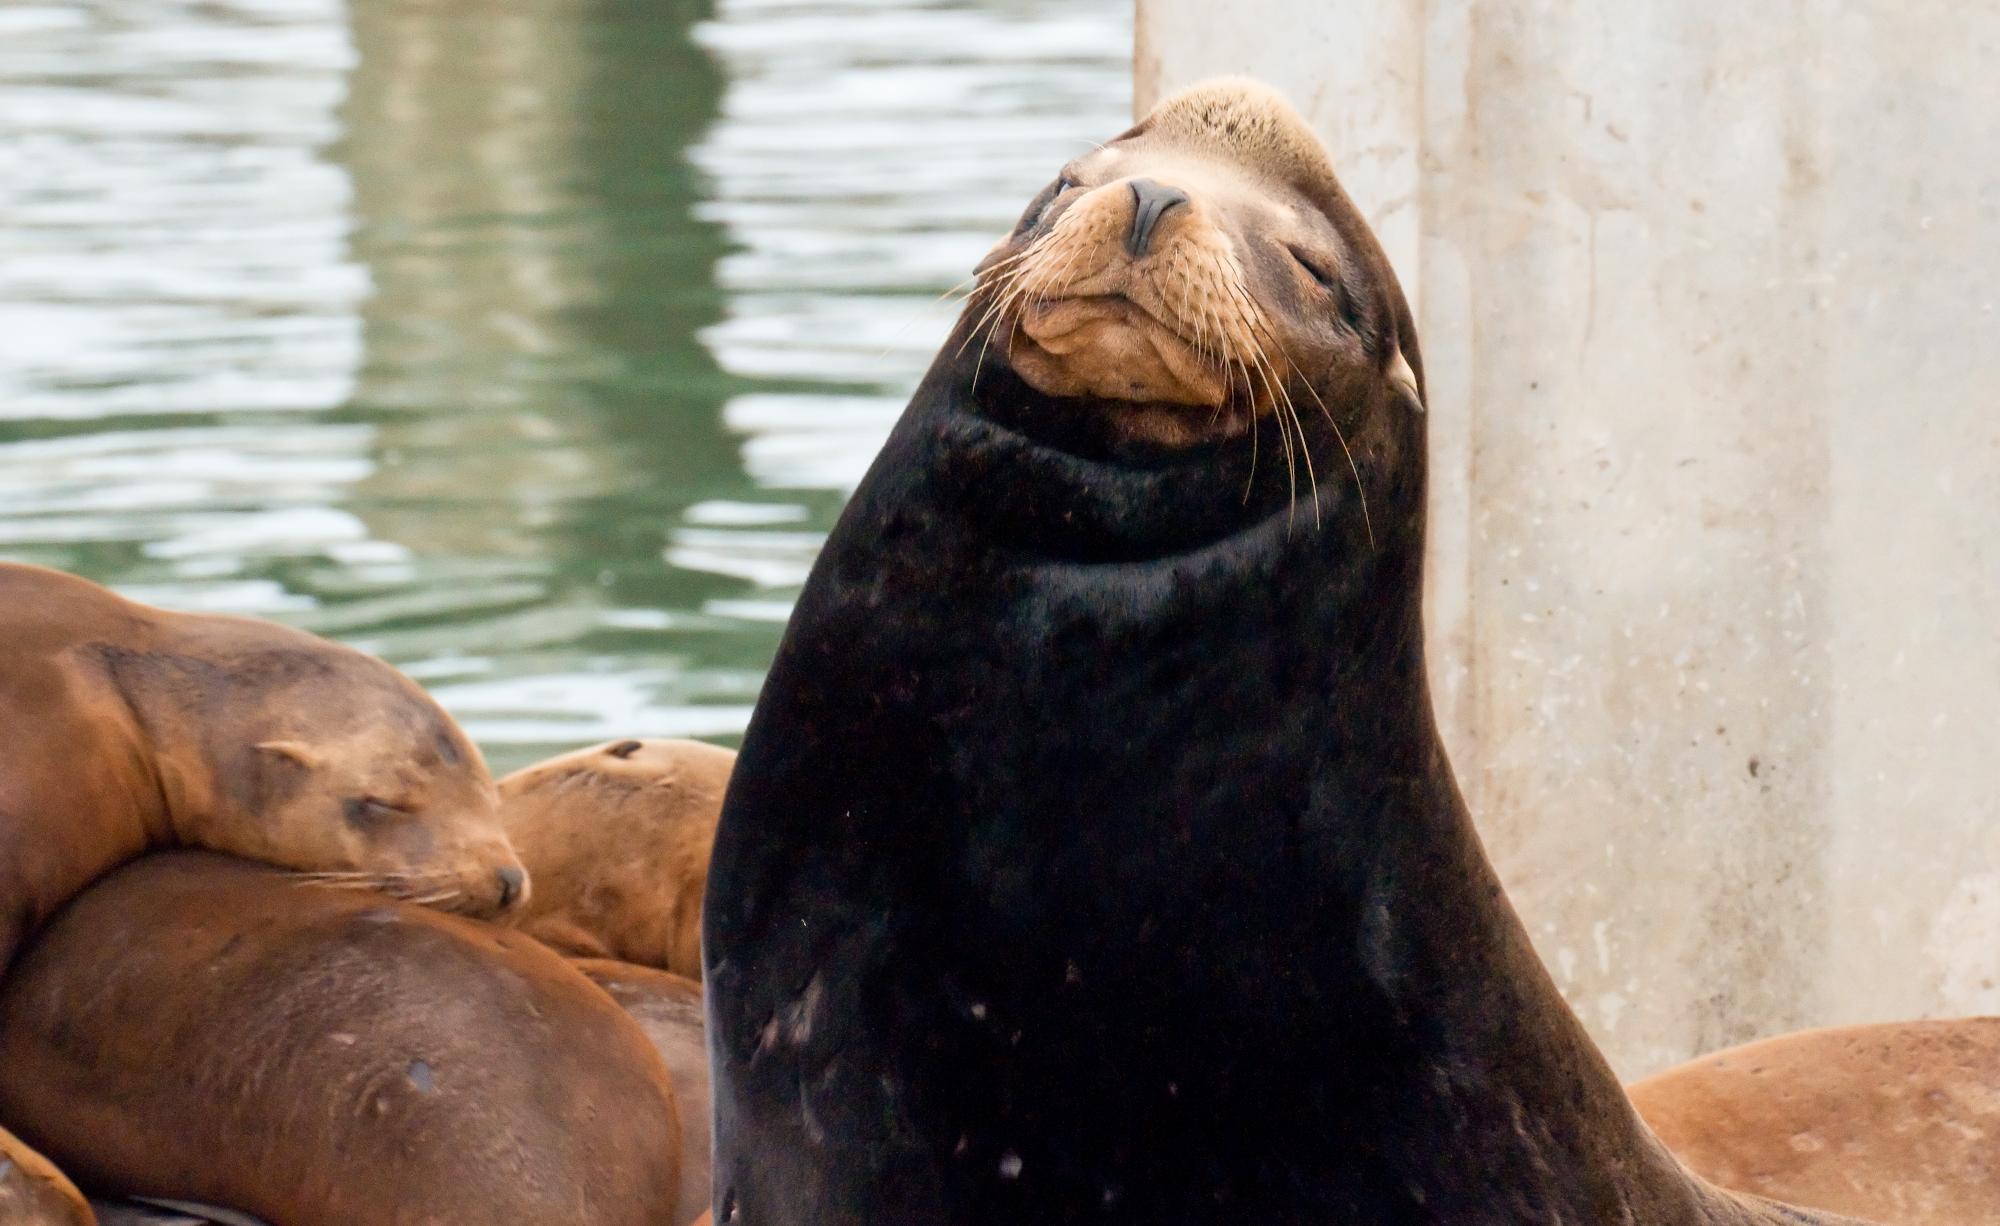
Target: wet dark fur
x=1092 y=857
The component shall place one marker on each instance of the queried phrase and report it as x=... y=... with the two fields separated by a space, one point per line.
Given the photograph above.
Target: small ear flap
x=1404 y=380
x=297 y=752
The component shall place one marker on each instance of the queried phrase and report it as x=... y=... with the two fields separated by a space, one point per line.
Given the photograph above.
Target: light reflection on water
x=531 y=345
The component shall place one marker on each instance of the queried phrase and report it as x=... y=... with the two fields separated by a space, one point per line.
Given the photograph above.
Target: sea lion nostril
x=512 y=883
x=1150 y=202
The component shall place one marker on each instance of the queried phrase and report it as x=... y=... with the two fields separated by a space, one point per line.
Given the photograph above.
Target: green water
x=531 y=345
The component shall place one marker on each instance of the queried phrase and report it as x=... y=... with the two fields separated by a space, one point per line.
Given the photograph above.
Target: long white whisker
x=1360 y=490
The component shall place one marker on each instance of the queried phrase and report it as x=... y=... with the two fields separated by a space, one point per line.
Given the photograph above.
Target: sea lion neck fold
x=996 y=464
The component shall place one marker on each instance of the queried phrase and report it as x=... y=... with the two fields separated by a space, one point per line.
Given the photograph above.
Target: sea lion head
x=277 y=746
x=617 y=837
x=361 y=776
x=1201 y=273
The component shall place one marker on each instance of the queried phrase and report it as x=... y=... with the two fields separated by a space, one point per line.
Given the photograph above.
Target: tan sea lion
x=1093 y=855
x=616 y=838
x=33 y=1192
x=1897 y=1122
x=199 y=1028
x=126 y=727
x=668 y=1008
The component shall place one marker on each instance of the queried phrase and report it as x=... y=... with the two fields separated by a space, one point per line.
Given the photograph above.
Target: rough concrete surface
x=1708 y=300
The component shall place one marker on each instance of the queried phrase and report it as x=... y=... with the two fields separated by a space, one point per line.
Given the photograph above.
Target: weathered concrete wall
x=1707 y=297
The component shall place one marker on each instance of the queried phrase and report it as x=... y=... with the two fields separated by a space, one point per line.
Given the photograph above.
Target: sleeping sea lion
x=128 y=727
x=202 y=1029
x=1092 y=855
x=616 y=839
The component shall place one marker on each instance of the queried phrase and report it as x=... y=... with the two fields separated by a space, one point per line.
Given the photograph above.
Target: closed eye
x=1044 y=202
x=1315 y=270
x=368 y=811
x=1351 y=313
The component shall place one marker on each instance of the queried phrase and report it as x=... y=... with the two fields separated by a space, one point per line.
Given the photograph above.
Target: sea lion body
x=616 y=839
x=1092 y=855
x=1898 y=1122
x=668 y=1008
x=204 y=1029
x=127 y=727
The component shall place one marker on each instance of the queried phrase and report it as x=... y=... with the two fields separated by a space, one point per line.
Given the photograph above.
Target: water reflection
x=531 y=345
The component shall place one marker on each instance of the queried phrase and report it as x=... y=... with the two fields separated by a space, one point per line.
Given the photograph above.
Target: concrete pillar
x=1707 y=297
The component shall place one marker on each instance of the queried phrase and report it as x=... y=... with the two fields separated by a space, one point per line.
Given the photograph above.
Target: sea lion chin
x=1108 y=347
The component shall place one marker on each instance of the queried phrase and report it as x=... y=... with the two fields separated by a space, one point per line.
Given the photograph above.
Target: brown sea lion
x=200 y=1028
x=616 y=838
x=1899 y=1122
x=668 y=1008
x=33 y=1192
x=126 y=727
x=1093 y=855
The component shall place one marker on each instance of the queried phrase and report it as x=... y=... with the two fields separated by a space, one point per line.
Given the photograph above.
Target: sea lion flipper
x=34 y=1190
x=195 y=1213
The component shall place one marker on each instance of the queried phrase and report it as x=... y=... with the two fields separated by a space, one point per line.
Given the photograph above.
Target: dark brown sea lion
x=33 y=1192
x=668 y=1008
x=1092 y=855
x=1899 y=1122
x=199 y=1028
x=126 y=727
x=616 y=838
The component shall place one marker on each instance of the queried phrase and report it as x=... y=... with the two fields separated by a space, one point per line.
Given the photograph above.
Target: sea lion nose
x=513 y=884
x=1150 y=202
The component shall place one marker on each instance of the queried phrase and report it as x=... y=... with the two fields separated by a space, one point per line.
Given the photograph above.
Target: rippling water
x=531 y=344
